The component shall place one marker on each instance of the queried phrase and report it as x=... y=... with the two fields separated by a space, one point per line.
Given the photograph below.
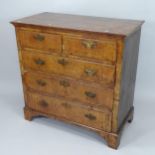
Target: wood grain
x=79 y=69
x=129 y=68
x=94 y=49
x=41 y=41
x=89 y=71
x=89 y=94
x=120 y=27
x=70 y=111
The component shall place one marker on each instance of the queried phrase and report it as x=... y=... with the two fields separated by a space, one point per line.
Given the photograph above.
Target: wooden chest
x=79 y=69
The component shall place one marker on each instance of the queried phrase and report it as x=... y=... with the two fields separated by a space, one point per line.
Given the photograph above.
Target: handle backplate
x=39 y=62
x=41 y=82
x=89 y=44
x=90 y=94
x=62 y=61
x=66 y=105
x=43 y=103
x=90 y=117
x=64 y=83
x=90 y=72
x=39 y=37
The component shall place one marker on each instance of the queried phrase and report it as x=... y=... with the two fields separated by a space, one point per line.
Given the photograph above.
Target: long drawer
x=79 y=69
x=70 y=111
x=70 y=89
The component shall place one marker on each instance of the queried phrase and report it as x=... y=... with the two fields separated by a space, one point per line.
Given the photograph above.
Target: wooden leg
x=112 y=139
x=29 y=114
x=130 y=118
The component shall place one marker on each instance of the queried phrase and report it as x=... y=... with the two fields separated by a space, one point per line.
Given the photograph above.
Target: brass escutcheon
x=39 y=37
x=41 y=82
x=90 y=72
x=62 y=61
x=43 y=103
x=39 y=62
x=90 y=117
x=89 y=44
x=90 y=94
x=64 y=83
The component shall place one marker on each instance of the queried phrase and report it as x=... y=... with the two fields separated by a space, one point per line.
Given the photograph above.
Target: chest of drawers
x=79 y=69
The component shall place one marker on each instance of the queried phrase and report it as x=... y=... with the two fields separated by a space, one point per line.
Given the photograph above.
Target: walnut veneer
x=79 y=69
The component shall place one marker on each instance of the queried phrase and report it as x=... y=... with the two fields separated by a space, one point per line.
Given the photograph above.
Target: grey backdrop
x=46 y=136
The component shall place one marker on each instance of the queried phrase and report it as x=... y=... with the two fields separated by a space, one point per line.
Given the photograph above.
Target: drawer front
x=40 y=41
x=70 y=111
x=101 y=50
x=79 y=69
x=70 y=89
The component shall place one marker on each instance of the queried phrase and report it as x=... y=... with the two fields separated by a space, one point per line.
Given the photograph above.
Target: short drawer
x=88 y=94
x=94 y=49
x=40 y=41
x=79 y=69
x=70 y=111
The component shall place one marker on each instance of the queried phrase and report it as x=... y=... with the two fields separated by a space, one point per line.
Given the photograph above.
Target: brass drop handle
x=41 y=82
x=43 y=103
x=89 y=44
x=90 y=117
x=62 y=61
x=39 y=37
x=66 y=105
x=64 y=83
x=39 y=62
x=90 y=72
x=90 y=94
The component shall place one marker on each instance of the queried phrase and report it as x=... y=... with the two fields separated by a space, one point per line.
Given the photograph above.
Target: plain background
x=44 y=136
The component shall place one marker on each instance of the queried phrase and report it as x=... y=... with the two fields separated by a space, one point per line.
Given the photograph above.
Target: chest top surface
x=120 y=27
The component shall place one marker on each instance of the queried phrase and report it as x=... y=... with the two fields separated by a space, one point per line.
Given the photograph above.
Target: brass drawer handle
x=39 y=37
x=43 y=103
x=64 y=83
x=39 y=62
x=90 y=72
x=66 y=105
x=90 y=94
x=62 y=61
x=90 y=117
x=89 y=44
x=41 y=82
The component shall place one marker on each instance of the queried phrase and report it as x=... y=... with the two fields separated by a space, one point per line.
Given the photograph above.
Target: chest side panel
x=129 y=68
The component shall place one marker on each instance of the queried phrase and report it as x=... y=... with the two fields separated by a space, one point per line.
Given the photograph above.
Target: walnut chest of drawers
x=79 y=69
